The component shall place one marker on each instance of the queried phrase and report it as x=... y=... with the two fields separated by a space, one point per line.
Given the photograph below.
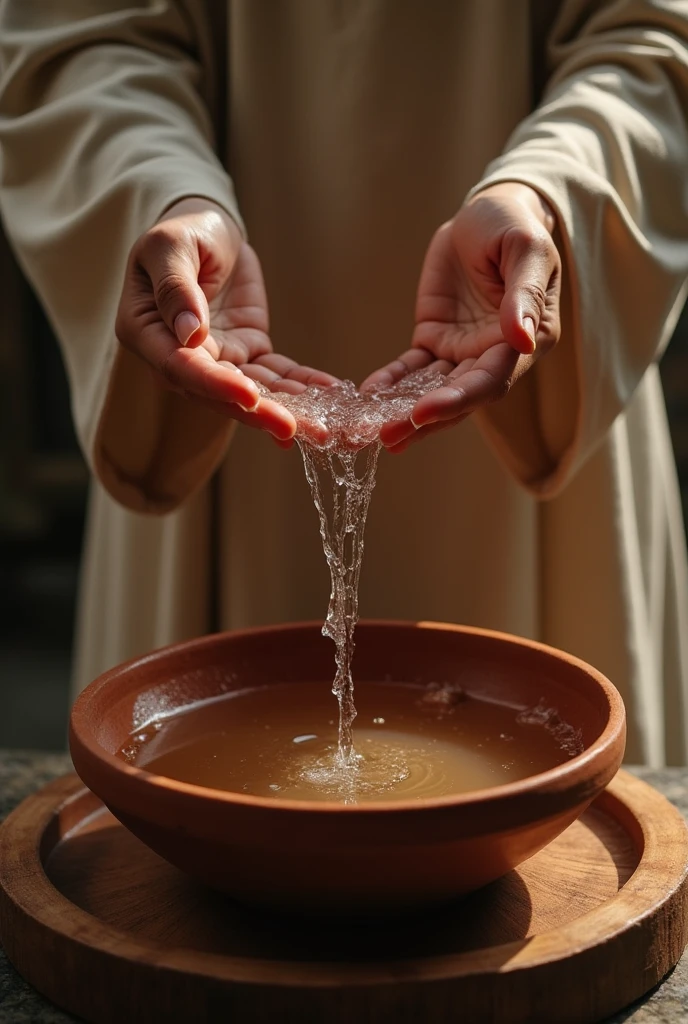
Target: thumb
x=530 y=269
x=172 y=263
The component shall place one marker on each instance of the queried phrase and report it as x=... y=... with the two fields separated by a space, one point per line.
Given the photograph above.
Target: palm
x=238 y=331
x=457 y=315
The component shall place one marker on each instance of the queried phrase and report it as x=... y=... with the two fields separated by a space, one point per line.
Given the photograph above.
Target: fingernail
x=432 y=418
x=529 y=326
x=250 y=408
x=185 y=326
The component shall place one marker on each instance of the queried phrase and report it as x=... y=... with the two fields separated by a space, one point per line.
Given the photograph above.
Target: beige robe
x=352 y=129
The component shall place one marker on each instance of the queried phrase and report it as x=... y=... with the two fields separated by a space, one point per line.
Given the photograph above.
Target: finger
x=489 y=378
x=272 y=381
x=289 y=369
x=269 y=379
x=396 y=431
x=268 y=416
x=280 y=373
x=171 y=261
x=311 y=428
x=194 y=371
x=271 y=417
x=531 y=269
x=418 y=435
x=407 y=362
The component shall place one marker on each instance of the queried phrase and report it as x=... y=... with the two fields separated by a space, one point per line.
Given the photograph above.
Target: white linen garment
x=340 y=134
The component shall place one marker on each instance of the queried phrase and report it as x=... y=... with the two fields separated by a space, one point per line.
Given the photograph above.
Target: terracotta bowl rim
x=560 y=778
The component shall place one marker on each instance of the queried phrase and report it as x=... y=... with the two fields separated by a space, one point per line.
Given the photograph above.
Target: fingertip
x=283 y=438
x=518 y=321
x=519 y=334
x=198 y=337
x=523 y=345
x=444 y=403
x=283 y=429
x=395 y=431
x=423 y=420
x=186 y=325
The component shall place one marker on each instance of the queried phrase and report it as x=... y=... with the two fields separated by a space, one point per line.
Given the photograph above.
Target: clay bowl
x=332 y=857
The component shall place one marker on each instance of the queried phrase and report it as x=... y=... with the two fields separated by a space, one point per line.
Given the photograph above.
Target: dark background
x=43 y=488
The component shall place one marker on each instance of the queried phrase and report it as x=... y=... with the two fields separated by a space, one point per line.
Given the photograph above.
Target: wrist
x=194 y=206
x=530 y=198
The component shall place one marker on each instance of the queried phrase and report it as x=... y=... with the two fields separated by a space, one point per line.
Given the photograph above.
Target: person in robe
x=497 y=187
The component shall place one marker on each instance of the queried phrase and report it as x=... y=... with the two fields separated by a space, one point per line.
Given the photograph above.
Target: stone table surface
x=22 y=772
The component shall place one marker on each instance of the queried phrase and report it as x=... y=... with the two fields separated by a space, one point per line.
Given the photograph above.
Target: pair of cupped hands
x=194 y=308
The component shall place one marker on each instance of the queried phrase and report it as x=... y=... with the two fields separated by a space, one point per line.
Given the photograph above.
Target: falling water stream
x=340 y=470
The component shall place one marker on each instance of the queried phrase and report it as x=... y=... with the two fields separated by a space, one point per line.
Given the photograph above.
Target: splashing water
x=340 y=459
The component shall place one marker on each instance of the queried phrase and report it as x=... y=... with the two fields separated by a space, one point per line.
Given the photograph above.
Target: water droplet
x=305 y=738
x=378 y=721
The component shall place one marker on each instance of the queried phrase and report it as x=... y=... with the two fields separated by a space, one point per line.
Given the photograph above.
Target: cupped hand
x=194 y=308
x=487 y=308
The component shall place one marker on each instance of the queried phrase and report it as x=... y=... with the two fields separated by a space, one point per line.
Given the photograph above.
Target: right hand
x=194 y=308
x=489 y=289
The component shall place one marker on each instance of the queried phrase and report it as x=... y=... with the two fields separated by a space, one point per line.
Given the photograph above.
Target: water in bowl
x=412 y=742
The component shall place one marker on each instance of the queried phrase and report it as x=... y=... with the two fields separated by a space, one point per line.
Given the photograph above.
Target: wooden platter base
x=108 y=930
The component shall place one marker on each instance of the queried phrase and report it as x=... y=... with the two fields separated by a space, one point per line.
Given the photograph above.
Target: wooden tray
x=107 y=930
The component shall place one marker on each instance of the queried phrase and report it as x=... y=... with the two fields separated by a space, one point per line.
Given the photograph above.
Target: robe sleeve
x=104 y=124
x=608 y=148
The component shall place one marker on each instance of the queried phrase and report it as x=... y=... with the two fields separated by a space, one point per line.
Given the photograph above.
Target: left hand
x=487 y=308
x=194 y=309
